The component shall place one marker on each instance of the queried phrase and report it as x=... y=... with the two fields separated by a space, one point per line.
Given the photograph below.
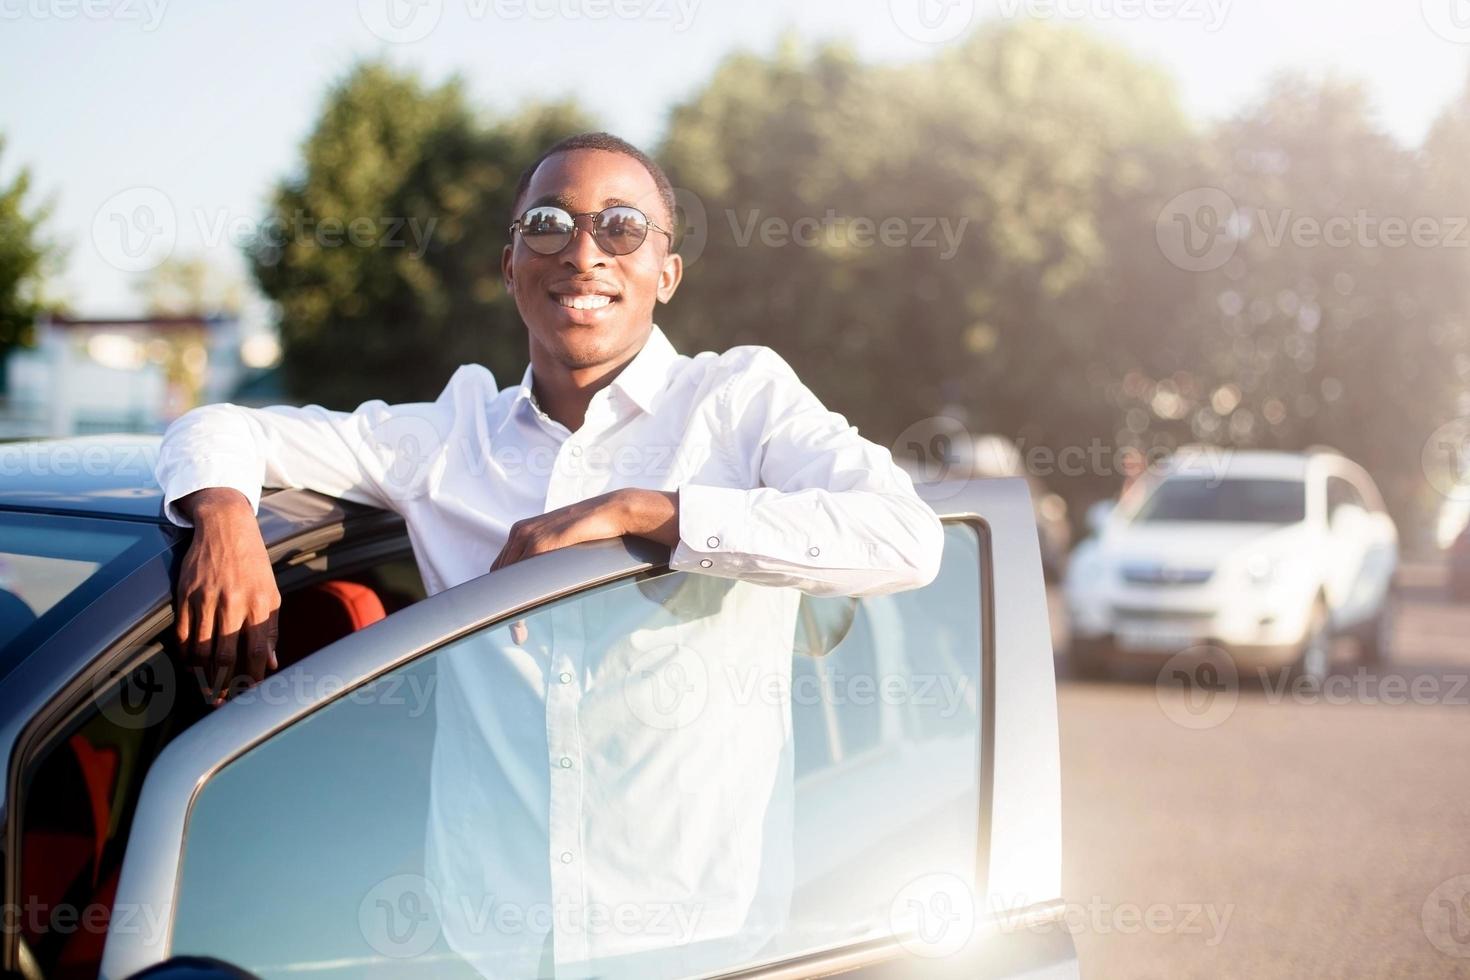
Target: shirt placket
x=565 y=758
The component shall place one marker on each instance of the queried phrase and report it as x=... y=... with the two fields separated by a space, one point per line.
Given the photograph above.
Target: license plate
x=1155 y=639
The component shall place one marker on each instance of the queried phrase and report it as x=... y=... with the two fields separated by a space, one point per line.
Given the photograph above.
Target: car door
x=370 y=810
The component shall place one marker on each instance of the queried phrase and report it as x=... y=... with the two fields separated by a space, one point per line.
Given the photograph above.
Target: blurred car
x=926 y=771
x=1268 y=555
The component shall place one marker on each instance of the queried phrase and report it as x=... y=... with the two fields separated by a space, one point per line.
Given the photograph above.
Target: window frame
x=999 y=511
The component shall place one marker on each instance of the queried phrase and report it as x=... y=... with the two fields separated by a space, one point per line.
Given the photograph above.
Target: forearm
x=824 y=542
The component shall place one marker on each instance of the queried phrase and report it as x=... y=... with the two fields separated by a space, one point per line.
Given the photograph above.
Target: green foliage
x=390 y=311
x=25 y=260
x=1026 y=291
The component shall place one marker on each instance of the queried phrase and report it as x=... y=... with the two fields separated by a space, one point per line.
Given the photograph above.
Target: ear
x=506 y=273
x=670 y=276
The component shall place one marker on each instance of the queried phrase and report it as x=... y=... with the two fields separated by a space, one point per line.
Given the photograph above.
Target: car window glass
x=646 y=771
x=43 y=561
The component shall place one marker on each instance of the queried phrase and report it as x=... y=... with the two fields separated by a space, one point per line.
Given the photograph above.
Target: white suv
x=1269 y=555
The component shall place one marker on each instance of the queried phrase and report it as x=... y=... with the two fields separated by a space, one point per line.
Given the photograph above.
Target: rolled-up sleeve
x=830 y=513
x=379 y=454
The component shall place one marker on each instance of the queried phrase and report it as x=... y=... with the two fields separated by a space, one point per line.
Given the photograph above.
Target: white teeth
x=588 y=302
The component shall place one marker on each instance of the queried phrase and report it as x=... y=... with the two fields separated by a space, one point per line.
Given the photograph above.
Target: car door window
x=78 y=793
x=667 y=775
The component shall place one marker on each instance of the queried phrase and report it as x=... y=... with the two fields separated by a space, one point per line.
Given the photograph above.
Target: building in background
x=124 y=374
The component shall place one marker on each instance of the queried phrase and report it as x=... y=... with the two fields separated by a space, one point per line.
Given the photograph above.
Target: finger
x=273 y=632
x=255 y=641
x=201 y=650
x=226 y=645
x=183 y=631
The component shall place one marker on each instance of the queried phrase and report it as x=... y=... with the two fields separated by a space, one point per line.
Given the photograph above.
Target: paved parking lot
x=1289 y=836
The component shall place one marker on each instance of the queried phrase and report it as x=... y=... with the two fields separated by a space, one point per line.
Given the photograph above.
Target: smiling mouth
x=583 y=301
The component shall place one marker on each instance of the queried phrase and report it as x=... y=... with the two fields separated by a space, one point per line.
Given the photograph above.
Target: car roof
x=1236 y=464
x=111 y=476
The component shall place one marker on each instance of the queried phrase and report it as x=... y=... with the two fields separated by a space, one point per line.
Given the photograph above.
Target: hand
x=227 y=607
x=652 y=514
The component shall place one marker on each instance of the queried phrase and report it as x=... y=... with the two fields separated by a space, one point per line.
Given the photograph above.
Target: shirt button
x=713 y=542
x=576 y=450
x=566 y=857
x=566 y=763
x=564 y=677
x=814 y=551
x=706 y=563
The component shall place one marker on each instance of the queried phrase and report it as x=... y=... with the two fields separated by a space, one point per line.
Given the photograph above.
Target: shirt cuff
x=233 y=476
x=713 y=527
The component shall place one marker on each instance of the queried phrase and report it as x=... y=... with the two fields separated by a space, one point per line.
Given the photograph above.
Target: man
x=727 y=459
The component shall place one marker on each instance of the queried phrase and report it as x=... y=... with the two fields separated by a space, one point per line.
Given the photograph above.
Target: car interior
x=81 y=788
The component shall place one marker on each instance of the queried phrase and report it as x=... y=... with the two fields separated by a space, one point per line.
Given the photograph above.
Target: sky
x=179 y=117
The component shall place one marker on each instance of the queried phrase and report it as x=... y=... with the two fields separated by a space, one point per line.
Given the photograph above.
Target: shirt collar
x=641 y=379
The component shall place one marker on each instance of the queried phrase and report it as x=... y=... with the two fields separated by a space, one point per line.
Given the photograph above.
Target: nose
x=583 y=253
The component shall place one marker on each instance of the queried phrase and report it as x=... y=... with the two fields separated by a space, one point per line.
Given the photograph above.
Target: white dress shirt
x=774 y=490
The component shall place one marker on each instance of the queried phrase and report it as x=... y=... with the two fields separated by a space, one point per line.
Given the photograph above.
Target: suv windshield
x=52 y=566
x=1254 y=501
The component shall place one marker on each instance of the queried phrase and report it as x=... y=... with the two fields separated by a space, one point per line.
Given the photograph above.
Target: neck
x=565 y=392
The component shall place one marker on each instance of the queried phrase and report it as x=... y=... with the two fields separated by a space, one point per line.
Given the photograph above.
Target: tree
x=383 y=255
x=26 y=258
x=1333 y=322
x=1017 y=172
x=180 y=286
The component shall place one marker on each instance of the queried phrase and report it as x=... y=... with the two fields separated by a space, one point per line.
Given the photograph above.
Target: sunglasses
x=617 y=231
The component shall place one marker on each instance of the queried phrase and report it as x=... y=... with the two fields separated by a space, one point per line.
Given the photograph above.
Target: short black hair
x=611 y=144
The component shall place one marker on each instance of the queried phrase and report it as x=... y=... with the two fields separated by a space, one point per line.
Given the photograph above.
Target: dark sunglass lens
x=546 y=230
x=622 y=230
